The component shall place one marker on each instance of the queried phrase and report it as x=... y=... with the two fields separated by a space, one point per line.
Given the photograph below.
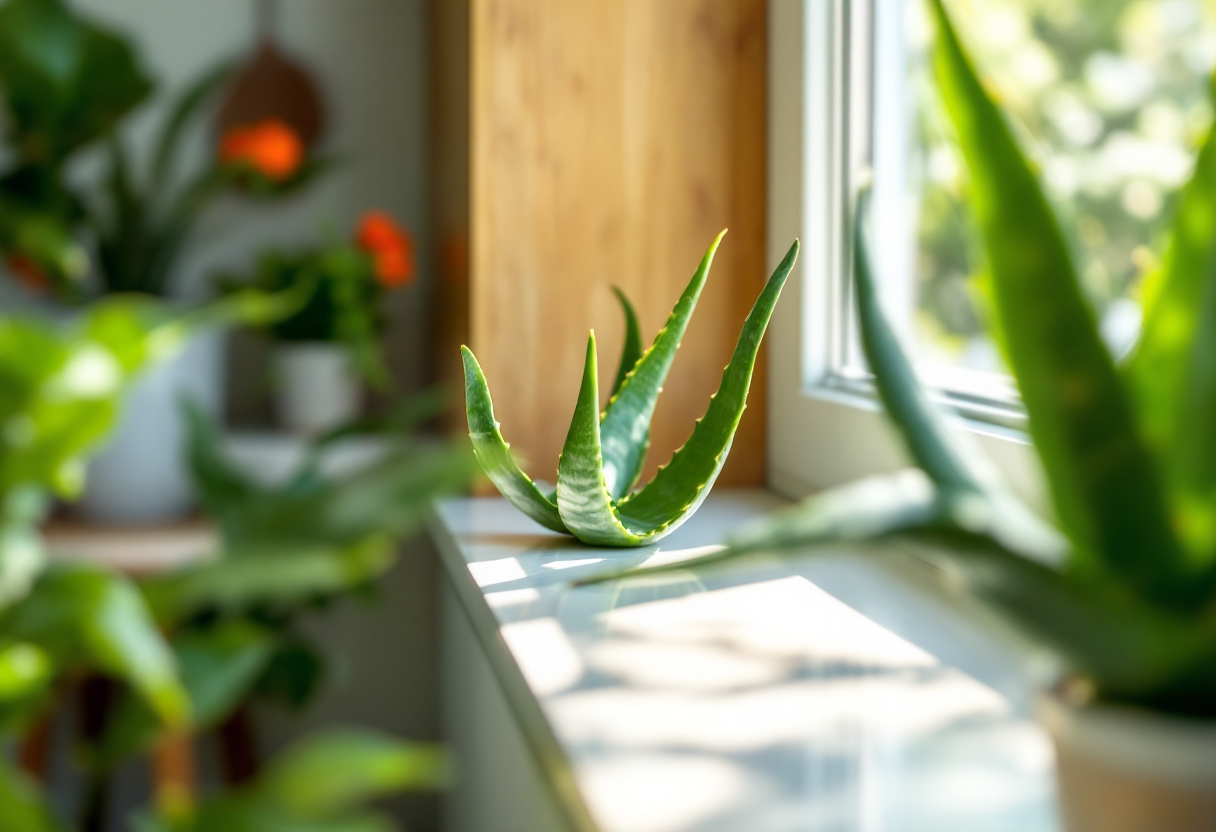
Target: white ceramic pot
x=317 y=388
x=1123 y=769
x=142 y=475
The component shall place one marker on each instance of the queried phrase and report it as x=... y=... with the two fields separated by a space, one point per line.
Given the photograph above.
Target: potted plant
x=140 y=228
x=602 y=459
x=63 y=622
x=324 y=351
x=134 y=223
x=1122 y=593
x=291 y=549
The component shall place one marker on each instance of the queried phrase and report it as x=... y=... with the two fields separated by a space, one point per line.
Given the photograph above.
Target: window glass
x=1109 y=96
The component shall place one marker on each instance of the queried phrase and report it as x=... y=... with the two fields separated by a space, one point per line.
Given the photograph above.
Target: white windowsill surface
x=802 y=694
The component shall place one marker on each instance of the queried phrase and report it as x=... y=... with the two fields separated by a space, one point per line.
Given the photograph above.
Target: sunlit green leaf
x=683 y=483
x=1104 y=483
x=218 y=667
x=317 y=786
x=602 y=455
x=247 y=578
x=631 y=349
x=921 y=426
x=343 y=768
x=1173 y=368
x=625 y=429
x=24 y=810
x=494 y=454
x=81 y=614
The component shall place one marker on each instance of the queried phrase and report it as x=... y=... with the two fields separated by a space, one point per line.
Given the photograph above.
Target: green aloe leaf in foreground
x=1127 y=604
x=603 y=454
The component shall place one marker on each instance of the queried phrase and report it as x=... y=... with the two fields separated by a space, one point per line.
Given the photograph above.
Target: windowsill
x=806 y=693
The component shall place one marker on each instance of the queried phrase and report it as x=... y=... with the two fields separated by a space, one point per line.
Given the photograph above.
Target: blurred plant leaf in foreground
x=218 y=667
x=1128 y=606
x=319 y=785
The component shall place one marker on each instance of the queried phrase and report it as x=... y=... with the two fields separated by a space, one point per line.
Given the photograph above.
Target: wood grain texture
x=611 y=140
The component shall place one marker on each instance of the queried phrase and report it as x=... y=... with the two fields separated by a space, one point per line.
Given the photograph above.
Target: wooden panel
x=611 y=140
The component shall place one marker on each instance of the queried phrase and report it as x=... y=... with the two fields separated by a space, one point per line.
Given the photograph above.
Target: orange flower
x=269 y=147
x=28 y=272
x=395 y=268
x=391 y=248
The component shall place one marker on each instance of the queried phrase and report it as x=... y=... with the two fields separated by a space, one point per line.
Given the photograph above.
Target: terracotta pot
x=317 y=388
x=1123 y=769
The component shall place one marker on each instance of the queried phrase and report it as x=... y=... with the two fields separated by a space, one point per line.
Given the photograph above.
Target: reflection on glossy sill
x=511 y=598
x=661 y=792
x=661 y=557
x=884 y=737
x=491 y=572
x=567 y=564
x=545 y=655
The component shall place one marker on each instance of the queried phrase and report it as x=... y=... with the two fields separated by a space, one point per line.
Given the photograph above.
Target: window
x=1110 y=97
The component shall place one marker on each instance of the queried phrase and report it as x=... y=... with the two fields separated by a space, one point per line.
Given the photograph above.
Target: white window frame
x=825 y=430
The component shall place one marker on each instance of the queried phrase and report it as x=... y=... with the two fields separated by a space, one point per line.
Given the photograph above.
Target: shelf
x=836 y=692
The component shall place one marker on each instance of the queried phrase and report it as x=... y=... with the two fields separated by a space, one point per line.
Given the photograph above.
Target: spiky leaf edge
x=625 y=426
x=681 y=485
x=494 y=454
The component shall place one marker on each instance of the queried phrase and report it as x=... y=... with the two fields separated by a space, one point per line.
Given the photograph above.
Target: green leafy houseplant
x=604 y=452
x=346 y=282
x=288 y=550
x=68 y=85
x=60 y=391
x=142 y=221
x=318 y=784
x=1125 y=593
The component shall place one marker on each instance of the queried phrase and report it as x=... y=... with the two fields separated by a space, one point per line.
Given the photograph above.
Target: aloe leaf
x=682 y=484
x=582 y=494
x=1128 y=649
x=933 y=446
x=919 y=422
x=625 y=428
x=604 y=452
x=1103 y=481
x=875 y=508
x=1173 y=369
x=869 y=509
x=494 y=453
x=631 y=351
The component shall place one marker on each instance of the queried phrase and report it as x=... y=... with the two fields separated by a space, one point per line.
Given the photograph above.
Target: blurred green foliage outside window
x=1111 y=97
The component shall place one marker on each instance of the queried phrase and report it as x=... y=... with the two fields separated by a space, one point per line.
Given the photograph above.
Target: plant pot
x=317 y=388
x=1122 y=769
x=142 y=476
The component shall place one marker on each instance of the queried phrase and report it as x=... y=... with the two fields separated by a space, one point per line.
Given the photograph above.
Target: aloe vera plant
x=604 y=452
x=1124 y=594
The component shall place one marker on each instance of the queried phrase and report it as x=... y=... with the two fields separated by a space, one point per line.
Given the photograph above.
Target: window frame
x=824 y=428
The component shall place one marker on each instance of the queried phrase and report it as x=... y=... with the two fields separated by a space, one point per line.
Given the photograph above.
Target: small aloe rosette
x=601 y=462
